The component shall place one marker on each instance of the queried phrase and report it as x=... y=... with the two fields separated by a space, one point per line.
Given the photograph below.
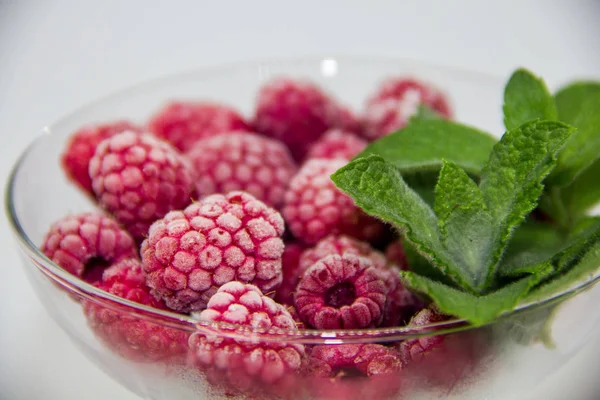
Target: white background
x=57 y=55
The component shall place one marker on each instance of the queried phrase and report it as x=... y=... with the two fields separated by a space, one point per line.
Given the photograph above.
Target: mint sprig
x=471 y=252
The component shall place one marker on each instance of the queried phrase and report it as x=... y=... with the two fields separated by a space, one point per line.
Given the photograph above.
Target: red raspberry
x=184 y=123
x=131 y=337
x=81 y=147
x=243 y=161
x=415 y=350
x=341 y=292
x=139 y=179
x=395 y=254
x=347 y=121
x=291 y=274
x=336 y=361
x=337 y=143
x=243 y=363
x=396 y=100
x=314 y=207
x=189 y=254
x=85 y=244
x=297 y=113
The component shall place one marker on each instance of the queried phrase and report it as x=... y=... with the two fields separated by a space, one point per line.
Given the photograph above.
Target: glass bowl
x=506 y=359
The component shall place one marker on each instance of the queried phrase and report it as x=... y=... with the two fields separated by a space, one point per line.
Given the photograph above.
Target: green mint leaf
x=582 y=193
x=583 y=148
x=424 y=112
x=423 y=144
x=511 y=182
x=526 y=98
x=569 y=99
x=465 y=224
x=478 y=310
x=378 y=188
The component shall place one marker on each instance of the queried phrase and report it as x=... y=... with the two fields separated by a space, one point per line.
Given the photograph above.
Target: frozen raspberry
x=395 y=254
x=337 y=143
x=81 y=147
x=314 y=207
x=336 y=361
x=397 y=99
x=341 y=292
x=245 y=363
x=401 y=303
x=290 y=270
x=131 y=337
x=85 y=244
x=184 y=123
x=139 y=178
x=189 y=254
x=347 y=121
x=416 y=349
x=297 y=113
x=230 y=161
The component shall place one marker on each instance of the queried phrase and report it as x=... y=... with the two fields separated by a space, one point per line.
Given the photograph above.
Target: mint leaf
x=378 y=188
x=465 y=224
x=424 y=112
x=478 y=310
x=582 y=194
x=526 y=98
x=583 y=148
x=423 y=144
x=569 y=98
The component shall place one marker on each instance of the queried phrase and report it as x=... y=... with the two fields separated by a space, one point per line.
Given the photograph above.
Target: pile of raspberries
x=235 y=220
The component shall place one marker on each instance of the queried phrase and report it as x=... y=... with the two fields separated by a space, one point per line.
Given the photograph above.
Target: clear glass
x=498 y=361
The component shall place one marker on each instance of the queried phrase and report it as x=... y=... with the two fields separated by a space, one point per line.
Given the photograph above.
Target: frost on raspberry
x=341 y=292
x=138 y=179
x=81 y=146
x=395 y=101
x=131 y=337
x=416 y=349
x=183 y=123
x=298 y=113
x=290 y=273
x=244 y=161
x=189 y=254
x=314 y=207
x=337 y=143
x=236 y=361
x=85 y=244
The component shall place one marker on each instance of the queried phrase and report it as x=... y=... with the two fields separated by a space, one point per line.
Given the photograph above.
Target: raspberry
x=336 y=361
x=131 y=337
x=139 y=179
x=291 y=274
x=341 y=292
x=184 y=123
x=396 y=100
x=297 y=113
x=395 y=254
x=244 y=363
x=347 y=121
x=416 y=349
x=314 y=207
x=85 y=244
x=189 y=254
x=243 y=161
x=337 y=143
x=81 y=147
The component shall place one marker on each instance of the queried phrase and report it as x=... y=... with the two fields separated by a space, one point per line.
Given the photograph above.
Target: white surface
x=56 y=55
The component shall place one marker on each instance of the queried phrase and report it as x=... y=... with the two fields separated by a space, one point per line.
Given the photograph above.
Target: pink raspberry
x=395 y=254
x=416 y=349
x=230 y=161
x=241 y=363
x=337 y=143
x=85 y=244
x=184 y=123
x=139 y=178
x=395 y=101
x=131 y=337
x=314 y=207
x=401 y=303
x=347 y=121
x=297 y=113
x=189 y=254
x=81 y=147
x=290 y=271
x=341 y=292
x=369 y=360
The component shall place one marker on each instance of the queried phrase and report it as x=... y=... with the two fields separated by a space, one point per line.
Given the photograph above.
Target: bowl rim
x=192 y=323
